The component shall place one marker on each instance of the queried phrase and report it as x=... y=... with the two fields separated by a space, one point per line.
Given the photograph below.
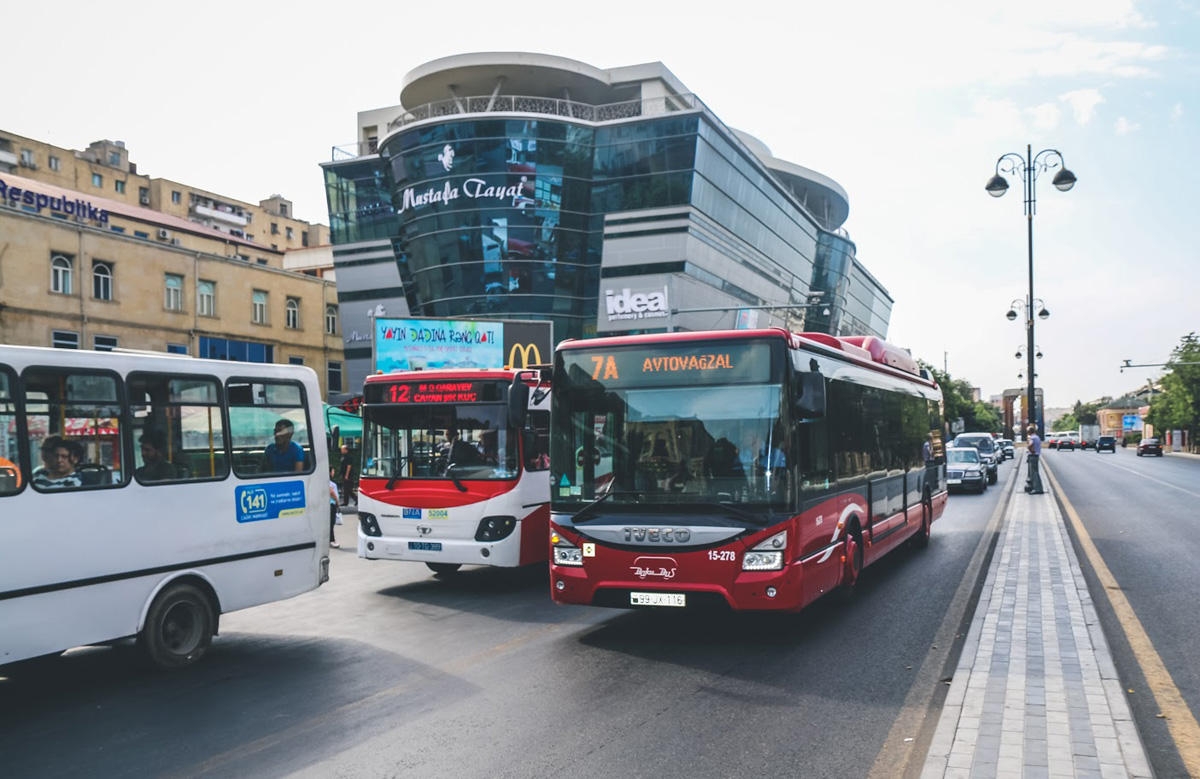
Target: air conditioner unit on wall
x=145 y=199
x=163 y=234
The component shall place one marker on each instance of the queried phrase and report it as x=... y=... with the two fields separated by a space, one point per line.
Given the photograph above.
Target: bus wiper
x=748 y=516
x=396 y=472
x=450 y=473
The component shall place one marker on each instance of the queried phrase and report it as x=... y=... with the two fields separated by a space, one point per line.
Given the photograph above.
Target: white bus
x=138 y=498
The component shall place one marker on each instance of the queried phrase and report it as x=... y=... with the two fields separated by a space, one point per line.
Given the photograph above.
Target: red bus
x=455 y=467
x=752 y=469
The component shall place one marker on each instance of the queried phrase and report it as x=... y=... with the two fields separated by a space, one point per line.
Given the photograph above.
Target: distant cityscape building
x=528 y=186
x=94 y=255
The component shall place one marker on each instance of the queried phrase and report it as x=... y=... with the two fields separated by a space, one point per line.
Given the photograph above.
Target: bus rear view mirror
x=518 y=402
x=811 y=403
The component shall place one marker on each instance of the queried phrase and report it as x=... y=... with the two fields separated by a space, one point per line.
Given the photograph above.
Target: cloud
x=1083 y=103
x=1045 y=116
x=1176 y=112
x=1124 y=127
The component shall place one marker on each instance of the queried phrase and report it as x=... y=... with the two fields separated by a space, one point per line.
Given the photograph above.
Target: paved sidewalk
x=1035 y=693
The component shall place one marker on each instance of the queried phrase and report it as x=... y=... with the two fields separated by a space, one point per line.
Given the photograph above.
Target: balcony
x=219 y=214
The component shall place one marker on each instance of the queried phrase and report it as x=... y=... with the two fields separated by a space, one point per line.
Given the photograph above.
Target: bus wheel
x=921 y=539
x=444 y=568
x=179 y=627
x=852 y=564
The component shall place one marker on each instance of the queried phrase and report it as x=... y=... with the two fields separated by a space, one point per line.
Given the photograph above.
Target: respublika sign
x=23 y=196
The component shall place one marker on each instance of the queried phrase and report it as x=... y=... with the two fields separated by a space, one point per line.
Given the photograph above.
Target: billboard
x=418 y=344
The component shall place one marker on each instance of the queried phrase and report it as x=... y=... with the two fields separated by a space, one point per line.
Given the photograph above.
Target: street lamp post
x=1029 y=167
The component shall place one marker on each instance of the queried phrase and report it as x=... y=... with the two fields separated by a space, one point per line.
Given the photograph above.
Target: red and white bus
x=455 y=467
x=754 y=469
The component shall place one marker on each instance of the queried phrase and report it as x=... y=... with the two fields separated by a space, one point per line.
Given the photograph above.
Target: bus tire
x=179 y=627
x=852 y=567
x=921 y=539
x=444 y=569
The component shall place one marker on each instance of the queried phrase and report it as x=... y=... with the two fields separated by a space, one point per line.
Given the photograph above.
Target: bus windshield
x=468 y=441
x=686 y=444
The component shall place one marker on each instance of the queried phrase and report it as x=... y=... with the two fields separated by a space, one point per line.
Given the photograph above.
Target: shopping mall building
x=526 y=186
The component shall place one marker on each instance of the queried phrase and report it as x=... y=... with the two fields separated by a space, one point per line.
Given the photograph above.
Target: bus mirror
x=518 y=403
x=811 y=403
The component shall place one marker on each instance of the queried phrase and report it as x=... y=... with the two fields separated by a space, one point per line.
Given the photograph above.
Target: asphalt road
x=1141 y=515
x=390 y=671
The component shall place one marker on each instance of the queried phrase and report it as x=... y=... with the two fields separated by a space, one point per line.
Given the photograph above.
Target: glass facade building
x=602 y=201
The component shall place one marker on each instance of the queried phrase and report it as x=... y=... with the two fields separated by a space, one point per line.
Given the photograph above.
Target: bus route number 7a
x=604 y=363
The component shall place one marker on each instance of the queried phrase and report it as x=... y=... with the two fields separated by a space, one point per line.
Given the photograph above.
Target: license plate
x=657 y=599
x=425 y=546
x=954 y=481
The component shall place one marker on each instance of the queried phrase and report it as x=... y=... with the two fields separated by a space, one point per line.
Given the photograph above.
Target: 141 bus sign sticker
x=269 y=500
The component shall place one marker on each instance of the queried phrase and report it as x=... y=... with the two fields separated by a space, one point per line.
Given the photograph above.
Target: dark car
x=965 y=469
x=988 y=452
x=1149 y=446
x=1106 y=443
x=1066 y=442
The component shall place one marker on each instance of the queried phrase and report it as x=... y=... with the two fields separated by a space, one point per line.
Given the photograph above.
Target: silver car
x=965 y=469
x=988 y=453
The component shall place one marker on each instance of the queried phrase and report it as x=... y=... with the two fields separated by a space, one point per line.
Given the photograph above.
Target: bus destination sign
x=720 y=362
x=424 y=392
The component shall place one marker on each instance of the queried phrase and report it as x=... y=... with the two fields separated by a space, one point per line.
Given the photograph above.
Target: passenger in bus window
x=60 y=457
x=155 y=466
x=284 y=455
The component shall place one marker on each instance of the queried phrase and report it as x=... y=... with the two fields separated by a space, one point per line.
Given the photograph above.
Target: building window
x=290 y=233
x=102 y=280
x=60 y=274
x=206 y=298
x=292 y=314
x=97 y=180
x=258 y=307
x=144 y=195
x=294 y=360
x=173 y=291
x=239 y=351
x=27 y=158
x=141 y=234
x=177 y=349
x=333 y=377
x=304 y=238
x=104 y=343
x=176 y=197
x=331 y=319
x=64 y=339
x=114 y=158
x=283 y=209
x=119 y=186
x=54 y=162
x=274 y=228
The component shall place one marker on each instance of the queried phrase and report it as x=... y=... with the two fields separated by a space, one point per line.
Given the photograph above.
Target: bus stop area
x=1035 y=693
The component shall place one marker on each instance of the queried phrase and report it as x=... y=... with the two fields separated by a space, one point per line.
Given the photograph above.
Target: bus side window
x=260 y=408
x=75 y=423
x=180 y=430
x=10 y=450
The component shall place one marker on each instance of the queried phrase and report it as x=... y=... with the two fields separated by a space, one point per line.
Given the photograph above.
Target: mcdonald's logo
x=525 y=352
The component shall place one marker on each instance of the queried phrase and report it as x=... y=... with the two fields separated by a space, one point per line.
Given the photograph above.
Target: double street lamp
x=1029 y=168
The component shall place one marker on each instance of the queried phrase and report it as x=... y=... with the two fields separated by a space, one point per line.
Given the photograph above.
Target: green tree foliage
x=1081 y=414
x=1177 y=407
x=959 y=403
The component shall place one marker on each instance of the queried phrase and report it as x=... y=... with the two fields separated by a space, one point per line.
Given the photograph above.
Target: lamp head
x=1043 y=314
x=1012 y=314
x=1039 y=354
x=996 y=185
x=1063 y=180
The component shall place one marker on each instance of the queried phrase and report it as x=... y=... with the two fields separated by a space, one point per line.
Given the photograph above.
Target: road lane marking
x=1142 y=475
x=1181 y=723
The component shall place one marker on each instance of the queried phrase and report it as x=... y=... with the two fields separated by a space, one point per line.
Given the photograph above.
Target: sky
x=908 y=106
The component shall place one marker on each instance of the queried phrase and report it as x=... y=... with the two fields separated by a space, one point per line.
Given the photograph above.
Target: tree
x=1177 y=407
x=958 y=403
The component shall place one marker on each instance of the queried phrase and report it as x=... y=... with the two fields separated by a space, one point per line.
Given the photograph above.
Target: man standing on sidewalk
x=1033 y=483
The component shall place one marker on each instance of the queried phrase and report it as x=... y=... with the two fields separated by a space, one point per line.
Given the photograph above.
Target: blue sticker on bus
x=410 y=513
x=269 y=500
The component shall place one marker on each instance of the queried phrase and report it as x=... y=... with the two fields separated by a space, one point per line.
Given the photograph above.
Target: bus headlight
x=495 y=528
x=565 y=553
x=767 y=556
x=369 y=525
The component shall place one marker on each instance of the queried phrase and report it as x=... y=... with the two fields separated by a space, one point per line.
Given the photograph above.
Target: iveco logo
x=657 y=535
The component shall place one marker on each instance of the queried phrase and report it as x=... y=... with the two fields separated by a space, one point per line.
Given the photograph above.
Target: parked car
x=965 y=469
x=1149 y=446
x=988 y=453
x=1005 y=445
x=1106 y=443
